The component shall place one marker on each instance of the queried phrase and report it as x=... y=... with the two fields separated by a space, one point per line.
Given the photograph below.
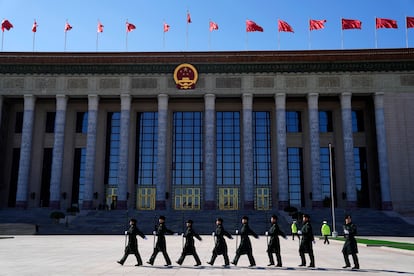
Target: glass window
x=18 y=126
x=325 y=121
x=50 y=122
x=187 y=148
x=325 y=172
x=228 y=148
x=358 y=121
x=293 y=121
x=262 y=160
x=82 y=122
x=112 y=148
x=295 y=176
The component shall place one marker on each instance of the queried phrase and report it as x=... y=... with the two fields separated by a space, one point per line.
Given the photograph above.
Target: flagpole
x=34 y=36
x=65 y=41
x=278 y=35
x=376 y=39
x=209 y=35
x=186 y=32
x=406 y=33
x=2 y=40
x=342 y=36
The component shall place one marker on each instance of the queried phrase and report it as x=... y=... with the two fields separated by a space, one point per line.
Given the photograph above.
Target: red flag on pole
x=34 y=27
x=6 y=25
x=410 y=22
x=251 y=26
x=68 y=27
x=130 y=27
x=284 y=26
x=348 y=24
x=213 y=26
x=386 y=23
x=166 y=27
x=100 y=27
x=316 y=24
x=188 y=17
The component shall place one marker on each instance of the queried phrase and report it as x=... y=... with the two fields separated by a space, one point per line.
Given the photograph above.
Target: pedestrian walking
x=189 y=248
x=161 y=245
x=350 y=246
x=306 y=242
x=325 y=231
x=245 y=246
x=274 y=244
x=294 y=228
x=220 y=245
x=132 y=246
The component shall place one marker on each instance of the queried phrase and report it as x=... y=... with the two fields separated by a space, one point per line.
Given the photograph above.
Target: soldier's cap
x=162 y=217
x=306 y=216
x=324 y=221
x=274 y=217
x=245 y=217
x=190 y=221
x=134 y=221
x=219 y=219
x=347 y=216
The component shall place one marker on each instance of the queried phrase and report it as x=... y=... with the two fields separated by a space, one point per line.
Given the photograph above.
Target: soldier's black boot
x=356 y=263
x=346 y=259
x=302 y=258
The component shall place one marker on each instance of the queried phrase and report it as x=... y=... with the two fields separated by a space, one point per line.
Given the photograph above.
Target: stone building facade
x=258 y=131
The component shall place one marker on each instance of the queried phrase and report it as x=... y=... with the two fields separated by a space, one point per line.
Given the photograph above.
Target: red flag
x=253 y=27
x=34 y=27
x=67 y=27
x=410 y=22
x=316 y=24
x=213 y=26
x=348 y=24
x=166 y=27
x=100 y=27
x=188 y=17
x=130 y=27
x=284 y=26
x=386 y=23
x=6 y=25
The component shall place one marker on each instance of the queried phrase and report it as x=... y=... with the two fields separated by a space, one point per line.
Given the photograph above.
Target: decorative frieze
x=228 y=82
x=109 y=83
x=263 y=82
x=77 y=83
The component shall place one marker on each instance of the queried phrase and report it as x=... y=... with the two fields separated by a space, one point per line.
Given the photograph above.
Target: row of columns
x=210 y=150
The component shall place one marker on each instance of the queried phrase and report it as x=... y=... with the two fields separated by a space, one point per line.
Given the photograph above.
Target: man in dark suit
x=189 y=248
x=274 y=243
x=306 y=242
x=132 y=247
x=220 y=245
x=245 y=246
x=161 y=246
x=350 y=246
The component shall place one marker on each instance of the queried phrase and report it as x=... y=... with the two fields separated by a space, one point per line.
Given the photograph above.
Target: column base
x=21 y=204
x=87 y=205
x=386 y=206
x=209 y=205
x=283 y=204
x=121 y=205
x=160 y=205
x=248 y=205
x=352 y=205
x=54 y=205
x=317 y=204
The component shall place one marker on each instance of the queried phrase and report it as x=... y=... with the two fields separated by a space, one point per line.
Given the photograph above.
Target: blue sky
x=230 y=15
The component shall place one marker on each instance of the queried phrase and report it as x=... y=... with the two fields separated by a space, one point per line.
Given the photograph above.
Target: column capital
x=210 y=96
x=346 y=99
x=93 y=101
x=125 y=101
x=280 y=99
x=29 y=102
x=313 y=100
x=247 y=99
x=61 y=101
x=379 y=99
x=162 y=101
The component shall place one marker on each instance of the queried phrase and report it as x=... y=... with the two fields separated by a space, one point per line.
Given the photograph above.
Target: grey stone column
x=123 y=152
x=348 y=143
x=162 y=171
x=93 y=102
x=382 y=152
x=282 y=172
x=248 y=187
x=315 y=150
x=58 y=147
x=210 y=202
x=25 y=152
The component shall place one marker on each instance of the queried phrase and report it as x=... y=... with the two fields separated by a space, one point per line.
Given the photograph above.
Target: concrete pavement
x=97 y=255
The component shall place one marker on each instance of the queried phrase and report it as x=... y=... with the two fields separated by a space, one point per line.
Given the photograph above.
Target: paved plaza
x=97 y=255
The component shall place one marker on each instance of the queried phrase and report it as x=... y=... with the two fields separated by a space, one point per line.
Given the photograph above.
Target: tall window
x=82 y=122
x=112 y=148
x=361 y=177
x=18 y=126
x=262 y=162
x=293 y=121
x=50 y=122
x=325 y=121
x=147 y=148
x=325 y=173
x=187 y=148
x=358 y=121
x=295 y=176
x=228 y=148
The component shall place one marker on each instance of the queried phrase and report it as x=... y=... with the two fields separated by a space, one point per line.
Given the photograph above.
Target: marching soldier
x=245 y=246
x=274 y=243
x=350 y=246
x=160 y=232
x=306 y=242
x=189 y=248
x=220 y=245
x=132 y=247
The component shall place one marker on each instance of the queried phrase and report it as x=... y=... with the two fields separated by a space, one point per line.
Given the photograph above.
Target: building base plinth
x=248 y=205
x=87 y=205
x=352 y=205
x=21 y=204
x=386 y=206
x=209 y=205
x=160 y=205
x=283 y=205
x=317 y=204
x=121 y=205
x=54 y=204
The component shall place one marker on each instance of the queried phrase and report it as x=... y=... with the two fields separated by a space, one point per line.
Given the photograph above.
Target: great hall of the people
x=242 y=130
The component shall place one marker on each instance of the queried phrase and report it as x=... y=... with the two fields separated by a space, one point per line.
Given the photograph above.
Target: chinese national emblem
x=185 y=76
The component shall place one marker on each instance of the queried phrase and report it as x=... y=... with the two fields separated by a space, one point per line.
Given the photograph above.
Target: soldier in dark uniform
x=160 y=232
x=306 y=242
x=132 y=247
x=220 y=245
x=274 y=243
x=350 y=246
x=245 y=246
x=189 y=248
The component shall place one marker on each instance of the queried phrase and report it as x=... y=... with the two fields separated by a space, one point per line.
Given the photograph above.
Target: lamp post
x=334 y=233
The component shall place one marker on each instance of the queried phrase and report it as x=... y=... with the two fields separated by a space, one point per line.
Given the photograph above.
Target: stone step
x=17 y=229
